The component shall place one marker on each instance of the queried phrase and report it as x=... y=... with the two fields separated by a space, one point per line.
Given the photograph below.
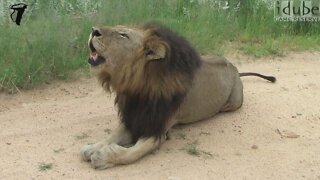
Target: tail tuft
x=272 y=78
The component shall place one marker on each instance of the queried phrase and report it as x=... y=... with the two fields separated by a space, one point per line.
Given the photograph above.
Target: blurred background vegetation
x=51 y=42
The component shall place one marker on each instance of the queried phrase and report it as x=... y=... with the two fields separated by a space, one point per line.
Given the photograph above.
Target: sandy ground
x=275 y=135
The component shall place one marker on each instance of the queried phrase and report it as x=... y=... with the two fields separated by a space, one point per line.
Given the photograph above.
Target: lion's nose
x=95 y=32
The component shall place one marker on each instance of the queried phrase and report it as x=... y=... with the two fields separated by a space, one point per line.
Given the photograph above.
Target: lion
x=159 y=81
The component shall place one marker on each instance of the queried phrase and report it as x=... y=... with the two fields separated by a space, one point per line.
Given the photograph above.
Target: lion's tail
x=269 y=78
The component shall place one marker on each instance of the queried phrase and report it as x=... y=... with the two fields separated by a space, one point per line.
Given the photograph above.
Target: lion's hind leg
x=236 y=97
x=111 y=155
x=119 y=136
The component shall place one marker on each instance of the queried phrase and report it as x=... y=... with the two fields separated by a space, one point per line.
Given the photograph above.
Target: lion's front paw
x=107 y=156
x=87 y=151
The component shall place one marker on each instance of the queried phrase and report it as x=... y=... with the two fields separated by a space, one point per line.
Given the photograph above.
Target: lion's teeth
x=94 y=56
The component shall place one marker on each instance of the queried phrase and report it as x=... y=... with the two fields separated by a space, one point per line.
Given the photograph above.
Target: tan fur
x=216 y=87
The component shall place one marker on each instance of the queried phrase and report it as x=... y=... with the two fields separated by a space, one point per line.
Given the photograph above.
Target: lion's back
x=210 y=90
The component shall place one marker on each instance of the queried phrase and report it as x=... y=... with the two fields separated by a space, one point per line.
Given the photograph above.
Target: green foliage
x=45 y=166
x=51 y=43
x=45 y=48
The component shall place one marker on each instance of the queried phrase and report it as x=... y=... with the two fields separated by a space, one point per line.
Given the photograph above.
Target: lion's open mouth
x=94 y=58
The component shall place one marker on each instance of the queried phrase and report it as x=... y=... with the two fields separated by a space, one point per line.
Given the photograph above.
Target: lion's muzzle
x=94 y=58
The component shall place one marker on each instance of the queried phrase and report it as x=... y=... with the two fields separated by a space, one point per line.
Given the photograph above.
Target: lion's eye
x=124 y=35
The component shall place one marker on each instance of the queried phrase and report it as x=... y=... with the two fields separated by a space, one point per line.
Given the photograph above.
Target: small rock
x=287 y=134
x=254 y=147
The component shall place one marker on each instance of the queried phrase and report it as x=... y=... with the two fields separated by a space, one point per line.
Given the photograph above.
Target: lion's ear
x=155 y=50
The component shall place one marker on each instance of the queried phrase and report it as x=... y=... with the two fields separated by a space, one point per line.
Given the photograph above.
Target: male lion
x=159 y=81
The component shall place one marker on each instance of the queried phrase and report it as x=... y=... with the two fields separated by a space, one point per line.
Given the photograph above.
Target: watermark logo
x=18 y=10
x=297 y=10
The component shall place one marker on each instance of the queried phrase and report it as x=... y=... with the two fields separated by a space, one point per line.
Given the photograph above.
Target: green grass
x=193 y=150
x=40 y=51
x=45 y=166
x=52 y=44
x=82 y=136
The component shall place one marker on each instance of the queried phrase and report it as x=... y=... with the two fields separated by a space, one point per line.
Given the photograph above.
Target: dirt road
x=275 y=135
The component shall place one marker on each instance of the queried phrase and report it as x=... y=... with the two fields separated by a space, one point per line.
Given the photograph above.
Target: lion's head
x=148 y=58
x=110 y=45
x=149 y=67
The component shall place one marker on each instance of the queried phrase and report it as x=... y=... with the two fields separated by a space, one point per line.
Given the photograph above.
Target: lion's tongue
x=94 y=56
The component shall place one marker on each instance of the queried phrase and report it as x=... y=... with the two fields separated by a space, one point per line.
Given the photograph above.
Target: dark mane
x=164 y=85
